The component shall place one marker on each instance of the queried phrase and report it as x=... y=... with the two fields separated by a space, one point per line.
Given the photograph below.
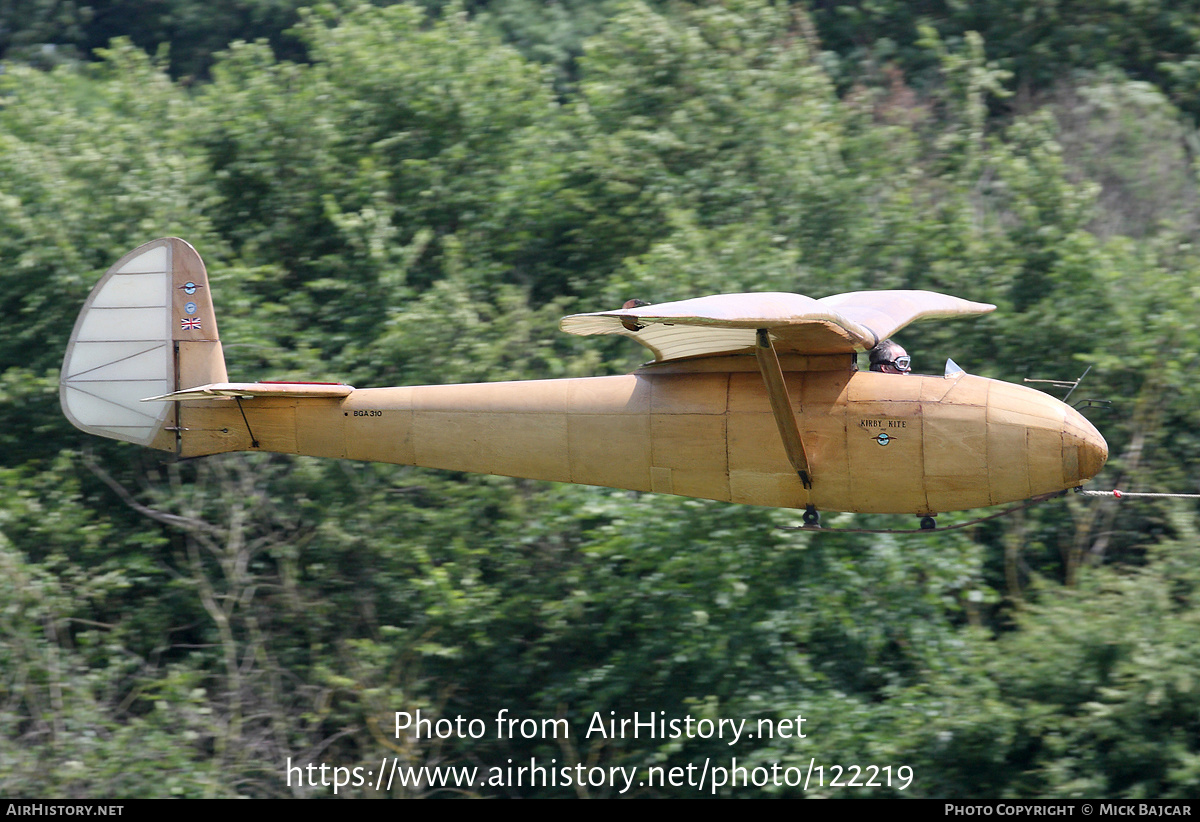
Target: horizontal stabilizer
x=249 y=390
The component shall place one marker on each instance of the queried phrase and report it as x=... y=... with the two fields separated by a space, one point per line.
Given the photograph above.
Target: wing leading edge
x=727 y=323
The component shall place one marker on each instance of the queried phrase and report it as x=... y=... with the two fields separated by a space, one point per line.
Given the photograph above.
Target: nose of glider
x=1084 y=450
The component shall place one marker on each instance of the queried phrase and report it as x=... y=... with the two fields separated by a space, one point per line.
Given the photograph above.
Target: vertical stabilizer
x=147 y=328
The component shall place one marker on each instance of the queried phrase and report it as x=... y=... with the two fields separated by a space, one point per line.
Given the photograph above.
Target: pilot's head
x=890 y=358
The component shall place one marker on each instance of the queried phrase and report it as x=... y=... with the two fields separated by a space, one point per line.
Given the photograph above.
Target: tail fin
x=148 y=328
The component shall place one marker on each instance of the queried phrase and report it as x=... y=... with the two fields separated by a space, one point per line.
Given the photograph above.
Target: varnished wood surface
x=876 y=442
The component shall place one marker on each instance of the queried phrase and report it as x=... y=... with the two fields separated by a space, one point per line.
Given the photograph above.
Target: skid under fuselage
x=875 y=442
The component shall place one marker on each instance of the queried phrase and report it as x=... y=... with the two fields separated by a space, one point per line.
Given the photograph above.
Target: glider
x=750 y=398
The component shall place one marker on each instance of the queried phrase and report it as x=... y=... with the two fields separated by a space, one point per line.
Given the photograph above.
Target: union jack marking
x=190 y=323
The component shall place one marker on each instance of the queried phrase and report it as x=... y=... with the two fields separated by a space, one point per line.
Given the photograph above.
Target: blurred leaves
x=399 y=195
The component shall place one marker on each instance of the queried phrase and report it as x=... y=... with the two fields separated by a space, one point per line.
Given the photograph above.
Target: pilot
x=630 y=323
x=890 y=358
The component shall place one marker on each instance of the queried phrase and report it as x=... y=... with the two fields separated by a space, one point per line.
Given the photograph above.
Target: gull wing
x=886 y=312
x=727 y=323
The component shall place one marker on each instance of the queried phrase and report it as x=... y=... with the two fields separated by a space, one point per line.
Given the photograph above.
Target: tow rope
x=1118 y=494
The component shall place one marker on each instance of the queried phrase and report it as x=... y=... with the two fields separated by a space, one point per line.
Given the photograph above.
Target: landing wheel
x=811 y=517
x=928 y=523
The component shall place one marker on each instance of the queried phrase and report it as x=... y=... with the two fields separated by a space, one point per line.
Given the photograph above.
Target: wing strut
x=781 y=405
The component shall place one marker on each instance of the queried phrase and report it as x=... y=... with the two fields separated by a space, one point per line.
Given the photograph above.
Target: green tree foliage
x=1038 y=42
x=190 y=32
x=417 y=200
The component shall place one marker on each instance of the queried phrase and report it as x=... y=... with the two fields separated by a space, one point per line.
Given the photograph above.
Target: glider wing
x=727 y=323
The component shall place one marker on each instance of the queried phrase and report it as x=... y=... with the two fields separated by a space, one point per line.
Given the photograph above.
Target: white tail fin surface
x=148 y=328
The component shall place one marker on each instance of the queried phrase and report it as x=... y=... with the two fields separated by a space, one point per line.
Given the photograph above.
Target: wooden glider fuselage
x=879 y=443
x=711 y=427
